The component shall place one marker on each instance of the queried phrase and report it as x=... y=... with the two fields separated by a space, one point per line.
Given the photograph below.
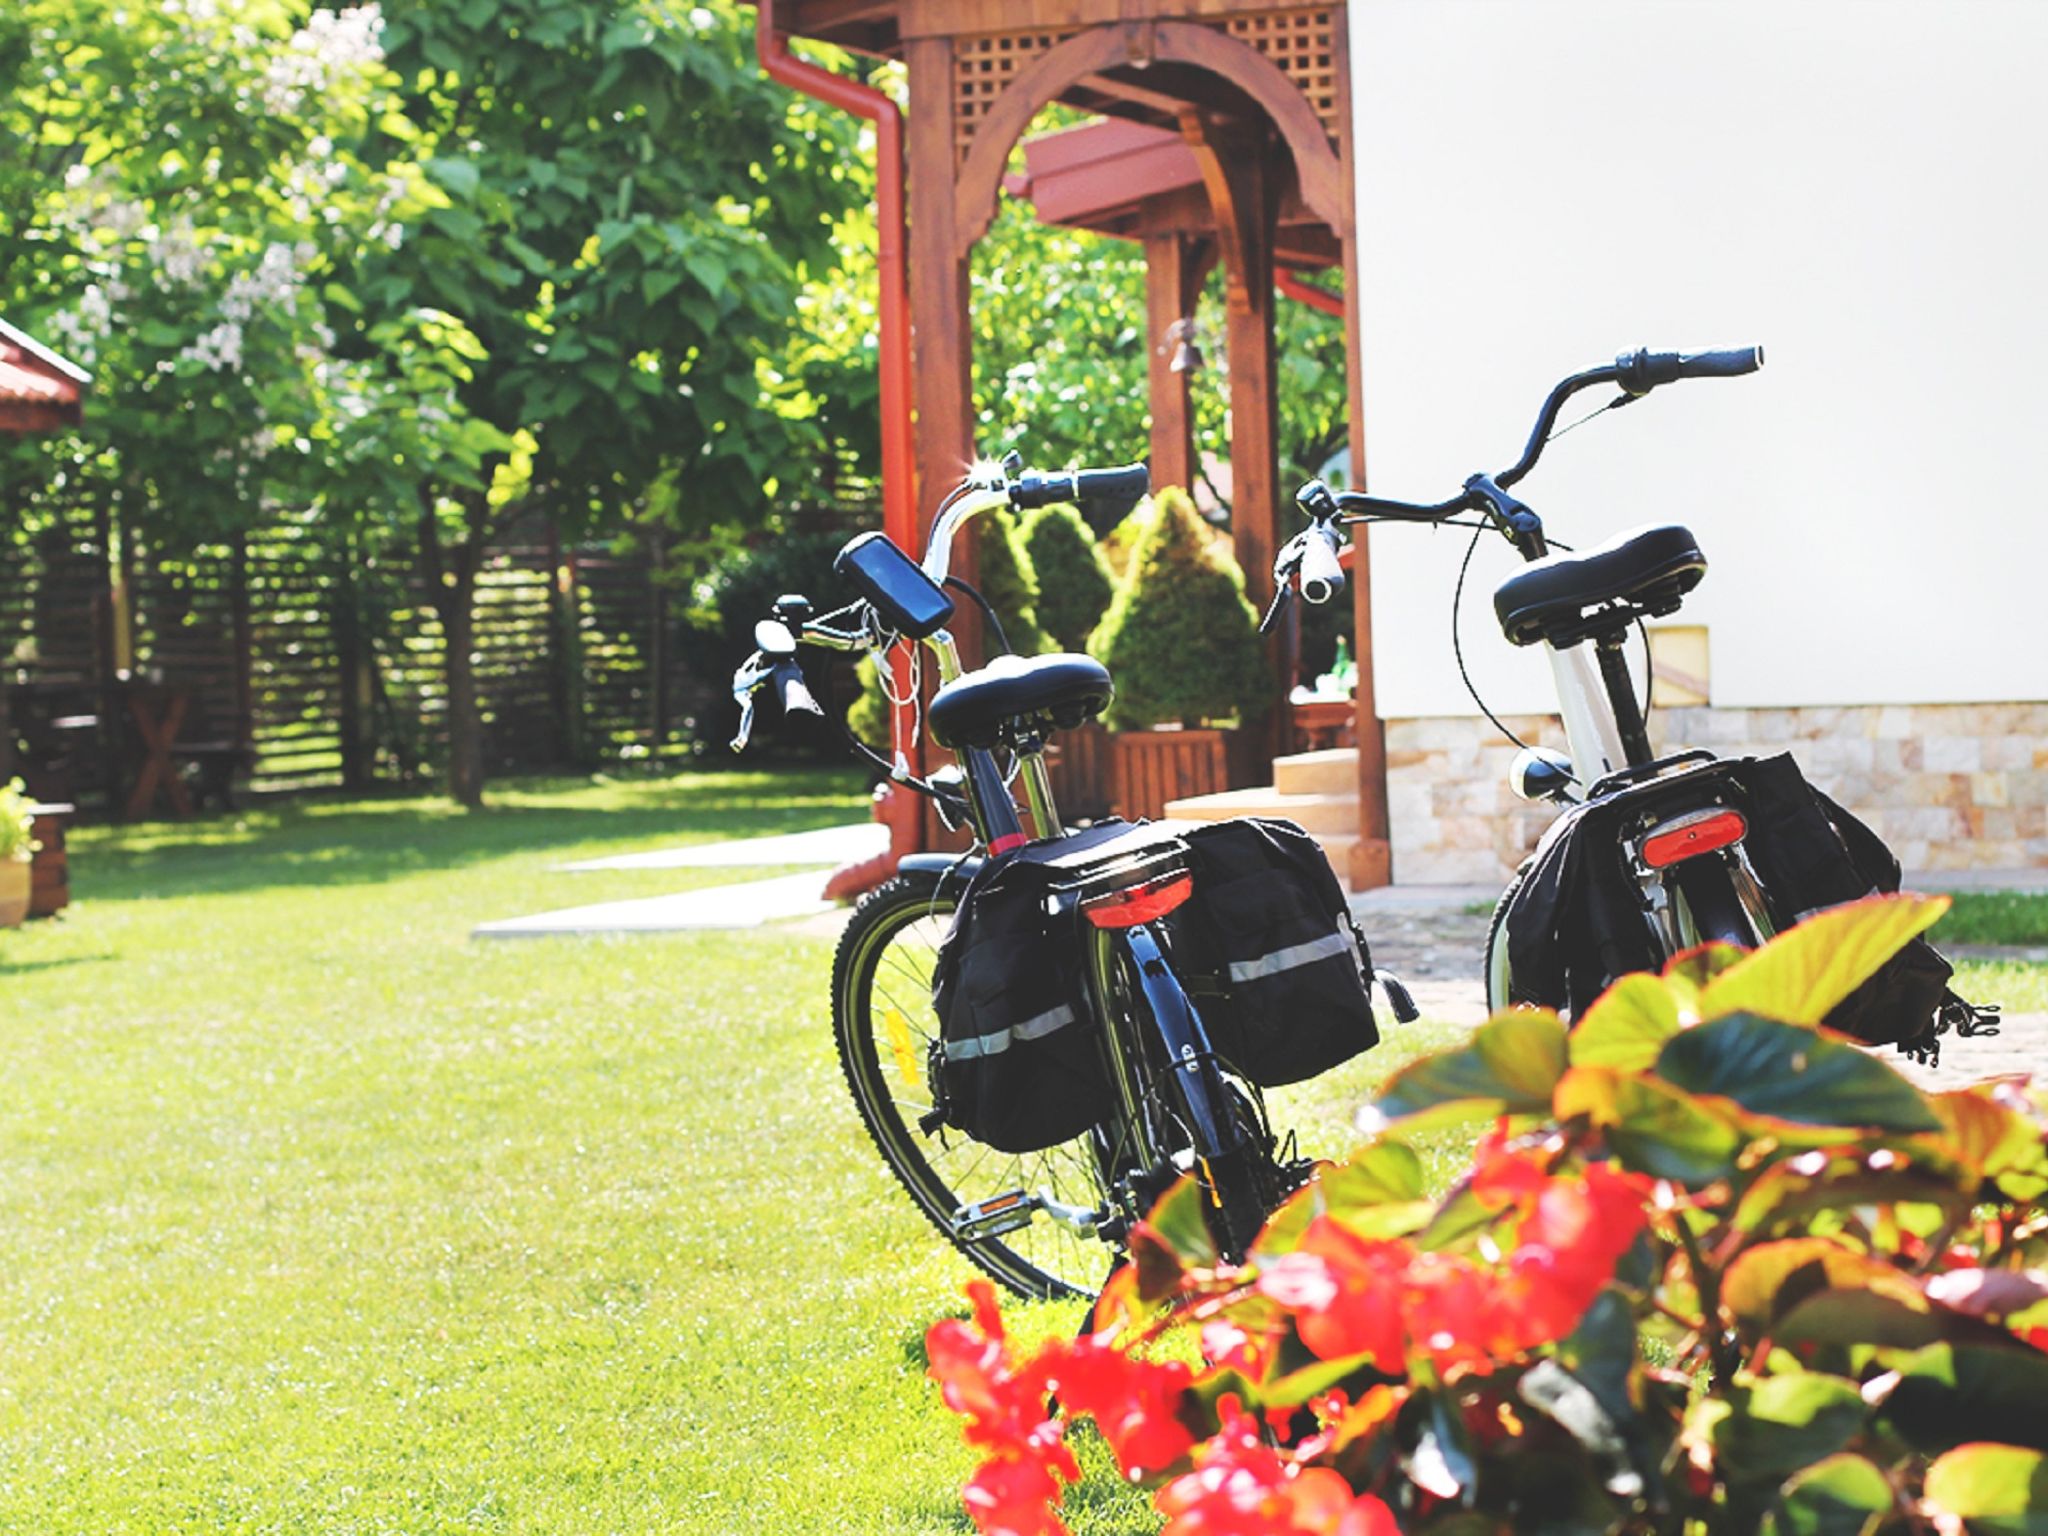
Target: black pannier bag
x=1576 y=923
x=1811 y=854
x=1272 y=960
x=1018 y=1065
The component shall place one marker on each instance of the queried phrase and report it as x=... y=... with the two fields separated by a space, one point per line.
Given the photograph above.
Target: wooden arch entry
x=1095 y=53
x=1260 y=92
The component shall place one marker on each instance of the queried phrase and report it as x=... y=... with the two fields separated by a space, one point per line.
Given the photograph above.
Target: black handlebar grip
x=1642 y=370
x=1322 y=577
x=1127 y=482
x=1728 y=363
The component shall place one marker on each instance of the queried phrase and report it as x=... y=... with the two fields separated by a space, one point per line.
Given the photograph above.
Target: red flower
x=1243 y=1487
x=1135 y=1403
x=1014 y=1490
x=1009 y=1497
x=1344 y=1292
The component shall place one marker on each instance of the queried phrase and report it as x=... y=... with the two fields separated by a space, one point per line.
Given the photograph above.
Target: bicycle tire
x=1495 y=957
x=884 y=957
x=1237 y=1174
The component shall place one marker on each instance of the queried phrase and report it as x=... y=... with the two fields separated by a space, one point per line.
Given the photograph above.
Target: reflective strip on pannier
x=998 y=1042
x=1277 y=969
x=1341 y=942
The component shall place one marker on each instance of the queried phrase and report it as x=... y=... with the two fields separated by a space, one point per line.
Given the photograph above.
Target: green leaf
x=1627 y=1026
x=1855 y=1319
x=459 y=177
x=2000 y=1490
x=1768 y=1280
x=1510 y=1067
x=1784 y=1423
x=1651 y=1126
x=1841 y=1495
x=1952 y=1393
x=1805 y=971
x=1793 y=1076
x=1178 y=1224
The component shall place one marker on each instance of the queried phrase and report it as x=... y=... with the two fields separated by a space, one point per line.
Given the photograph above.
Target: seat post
x=1045 y=816
x=1621 y=696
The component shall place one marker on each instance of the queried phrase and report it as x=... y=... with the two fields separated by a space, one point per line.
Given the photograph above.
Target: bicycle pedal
x=995 y=1216
x=1398 y=997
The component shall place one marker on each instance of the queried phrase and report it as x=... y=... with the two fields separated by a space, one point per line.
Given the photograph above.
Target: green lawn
x=1995 y=917
x=320 y=1216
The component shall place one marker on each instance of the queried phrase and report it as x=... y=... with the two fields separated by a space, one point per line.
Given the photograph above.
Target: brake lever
x=746 y=682
x=1284 y=566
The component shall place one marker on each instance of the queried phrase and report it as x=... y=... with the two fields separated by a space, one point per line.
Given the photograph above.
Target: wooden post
x=244 y=641
x=353 y=663
x=1243 y=192
x=942 y=344
x=1372 y=862
x=564 y=603
x=657 y=651
x=1170 y=292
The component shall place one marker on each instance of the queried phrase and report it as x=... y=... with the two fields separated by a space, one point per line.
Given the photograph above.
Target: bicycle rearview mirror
x=909 y=601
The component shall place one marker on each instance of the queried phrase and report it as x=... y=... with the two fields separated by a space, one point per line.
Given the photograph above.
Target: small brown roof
x=39 y=391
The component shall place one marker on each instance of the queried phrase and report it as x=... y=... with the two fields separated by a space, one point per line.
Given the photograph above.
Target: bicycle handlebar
x=1642 y=370
x=1636 y=372
x=1322 y=577
x=1126 y=482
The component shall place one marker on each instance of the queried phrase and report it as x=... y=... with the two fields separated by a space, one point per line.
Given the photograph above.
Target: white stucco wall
x=1856 y=184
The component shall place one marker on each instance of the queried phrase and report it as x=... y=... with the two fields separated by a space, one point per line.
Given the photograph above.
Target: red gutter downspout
x=896 y=808
x=1315 y=297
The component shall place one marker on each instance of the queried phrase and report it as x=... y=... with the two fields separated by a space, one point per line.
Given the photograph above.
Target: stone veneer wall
x=1949 y=786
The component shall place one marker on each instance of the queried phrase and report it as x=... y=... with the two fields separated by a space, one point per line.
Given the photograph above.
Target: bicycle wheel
x=1497 y=944
x=884 y=1023
x=1218 y=1133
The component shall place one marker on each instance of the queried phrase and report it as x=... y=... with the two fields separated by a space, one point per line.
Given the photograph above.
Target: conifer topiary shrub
x=1074 y=583
x=1003 y=574
x=1179 y=638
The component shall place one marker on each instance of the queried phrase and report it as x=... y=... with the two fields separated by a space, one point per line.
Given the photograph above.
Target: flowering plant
x=17 y=822
x=1713 y=1270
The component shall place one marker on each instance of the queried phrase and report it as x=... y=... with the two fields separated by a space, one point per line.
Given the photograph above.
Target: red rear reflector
x=1674 y=845
x=1139 y=904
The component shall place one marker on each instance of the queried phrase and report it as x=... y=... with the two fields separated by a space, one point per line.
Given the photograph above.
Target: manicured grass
x=1995 y=917
x=320 y=1216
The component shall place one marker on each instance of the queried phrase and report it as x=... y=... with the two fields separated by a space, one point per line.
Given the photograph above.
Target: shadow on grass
x=365 y=841
x=23 y=967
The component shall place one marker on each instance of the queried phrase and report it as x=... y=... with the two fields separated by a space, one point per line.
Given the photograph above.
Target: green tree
x=1179 y=638
x=1074 y=583
x=588 y=304
x=170 y=189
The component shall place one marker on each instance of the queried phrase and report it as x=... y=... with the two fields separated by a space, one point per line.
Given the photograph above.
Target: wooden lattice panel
x=984 y=66
x=1303 y=44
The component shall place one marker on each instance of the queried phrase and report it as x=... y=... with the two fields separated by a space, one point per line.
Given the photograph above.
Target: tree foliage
x=1005 y=576
x=1179 y=638
x=1713 y=1271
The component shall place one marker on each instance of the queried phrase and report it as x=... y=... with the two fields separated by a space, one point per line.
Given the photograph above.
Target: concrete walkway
x=827 y=846
x=719 y=906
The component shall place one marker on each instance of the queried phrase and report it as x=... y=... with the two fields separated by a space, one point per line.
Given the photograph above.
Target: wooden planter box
x=50 y=875
x=1153 y=767
x=1083 y=778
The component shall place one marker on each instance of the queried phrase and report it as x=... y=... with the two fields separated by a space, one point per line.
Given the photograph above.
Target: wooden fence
x=328 y=664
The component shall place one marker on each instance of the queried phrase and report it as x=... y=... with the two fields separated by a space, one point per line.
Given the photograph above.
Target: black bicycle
x=1038 y=1071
